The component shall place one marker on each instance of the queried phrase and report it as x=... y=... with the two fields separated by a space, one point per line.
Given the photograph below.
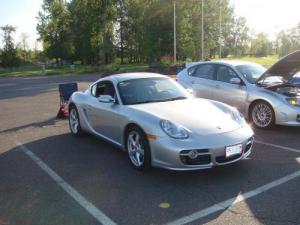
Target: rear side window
x=205 y=71
x=192 y=70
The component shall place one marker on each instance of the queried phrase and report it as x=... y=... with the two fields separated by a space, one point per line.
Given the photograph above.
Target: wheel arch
x=256 y=101
x=126 y=129
x=71 y=104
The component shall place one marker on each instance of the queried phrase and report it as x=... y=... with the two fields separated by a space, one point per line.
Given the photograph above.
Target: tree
x=260 y=45
x=239 y=36
x=24 y=46
x=92 y=24
x=288 y=41
x=9 y=56
x=98 y=31
x=54 y=29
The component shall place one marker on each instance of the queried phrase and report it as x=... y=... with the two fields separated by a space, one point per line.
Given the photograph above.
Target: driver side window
x=103 y=88
x=224 y=74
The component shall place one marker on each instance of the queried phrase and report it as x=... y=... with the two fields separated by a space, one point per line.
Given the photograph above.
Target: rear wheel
x=262 y=115
x=138 y=148
x=74 y=122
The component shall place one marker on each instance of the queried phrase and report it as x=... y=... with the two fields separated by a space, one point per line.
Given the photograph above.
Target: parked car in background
x=158 y=123
x=296 y=79
x=266 y=97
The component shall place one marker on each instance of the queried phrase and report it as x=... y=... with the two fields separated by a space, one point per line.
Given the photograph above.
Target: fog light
x=293 y=101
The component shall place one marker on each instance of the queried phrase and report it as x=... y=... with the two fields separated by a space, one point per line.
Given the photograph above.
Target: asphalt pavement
x=67 y=180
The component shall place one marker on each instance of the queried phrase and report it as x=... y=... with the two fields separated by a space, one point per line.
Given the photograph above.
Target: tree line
x=141 y=31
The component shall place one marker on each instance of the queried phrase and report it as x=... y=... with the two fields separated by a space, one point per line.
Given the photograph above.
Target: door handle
x=218 y=86
x=193 y=82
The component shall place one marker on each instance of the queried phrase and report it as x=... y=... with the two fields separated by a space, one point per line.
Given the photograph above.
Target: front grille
x=199 y=160
x=223 y=159
x=199 y=151
x=200 y=157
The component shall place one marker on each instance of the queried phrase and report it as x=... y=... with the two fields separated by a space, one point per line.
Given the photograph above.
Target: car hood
x=200 y=116
x=286 y=67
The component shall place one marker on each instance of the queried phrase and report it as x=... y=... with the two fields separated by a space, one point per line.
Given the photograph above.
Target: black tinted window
x=205 y=71
x=145 y=90
x=192 y=70
x=225 y=73
x=103 y=88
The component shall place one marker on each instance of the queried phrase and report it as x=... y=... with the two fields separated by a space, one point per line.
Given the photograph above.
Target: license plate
x=234 y=150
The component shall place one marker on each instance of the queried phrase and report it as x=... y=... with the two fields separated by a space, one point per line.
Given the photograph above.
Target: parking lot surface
x=48 y=176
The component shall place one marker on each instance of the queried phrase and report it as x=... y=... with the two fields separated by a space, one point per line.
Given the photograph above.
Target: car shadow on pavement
x=103 y=174
x=48 y=122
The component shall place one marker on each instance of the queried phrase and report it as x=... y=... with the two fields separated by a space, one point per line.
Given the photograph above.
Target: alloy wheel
x=74 y=121
x=262 y=115
x=135 y=148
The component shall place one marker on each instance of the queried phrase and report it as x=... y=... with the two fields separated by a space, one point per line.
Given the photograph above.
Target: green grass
x=79 y=69
x=87 y=69
x=264 y=61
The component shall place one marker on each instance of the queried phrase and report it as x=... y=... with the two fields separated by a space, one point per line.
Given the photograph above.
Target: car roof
x=226 y=62
x=130 y=76
x=236 y=62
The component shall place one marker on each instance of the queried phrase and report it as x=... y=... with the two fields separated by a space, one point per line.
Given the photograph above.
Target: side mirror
x=235 y=80
x=106 y=99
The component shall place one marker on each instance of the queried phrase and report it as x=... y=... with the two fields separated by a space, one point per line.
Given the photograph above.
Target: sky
x=21 y=14
x=268 y=16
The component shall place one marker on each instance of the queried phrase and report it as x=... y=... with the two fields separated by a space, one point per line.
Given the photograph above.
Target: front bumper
x=287 y=115
x=172 y=154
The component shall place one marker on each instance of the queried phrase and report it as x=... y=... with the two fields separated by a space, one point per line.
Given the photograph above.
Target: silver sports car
x=158 y=123
x=266 y=97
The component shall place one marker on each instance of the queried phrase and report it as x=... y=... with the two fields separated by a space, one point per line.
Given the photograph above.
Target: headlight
x=238 y=117
x=173 y=130
x=294 y=101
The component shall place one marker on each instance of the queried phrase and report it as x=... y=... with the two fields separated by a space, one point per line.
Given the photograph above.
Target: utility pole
x=175 y=50
x=202 y=30
x=220 y=36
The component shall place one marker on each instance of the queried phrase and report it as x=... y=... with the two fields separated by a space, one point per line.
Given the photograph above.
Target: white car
x=266 y=97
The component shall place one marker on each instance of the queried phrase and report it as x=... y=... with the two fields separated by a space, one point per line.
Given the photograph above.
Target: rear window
x=205 y=71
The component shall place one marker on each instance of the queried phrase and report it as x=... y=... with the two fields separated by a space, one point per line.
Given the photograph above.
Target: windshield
x=146 y=90
x=251 y=72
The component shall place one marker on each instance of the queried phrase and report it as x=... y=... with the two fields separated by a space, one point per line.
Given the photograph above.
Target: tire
x=262 y=115
x=138 y=149
x=74 y=122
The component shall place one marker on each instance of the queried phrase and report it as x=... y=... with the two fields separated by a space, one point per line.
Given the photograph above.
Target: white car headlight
x=173 y=130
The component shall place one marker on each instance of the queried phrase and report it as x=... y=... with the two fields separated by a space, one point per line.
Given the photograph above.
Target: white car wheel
x=262 y=115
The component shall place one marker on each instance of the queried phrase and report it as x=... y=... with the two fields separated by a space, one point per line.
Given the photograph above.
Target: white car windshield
x=146 y=90
x=251 y=72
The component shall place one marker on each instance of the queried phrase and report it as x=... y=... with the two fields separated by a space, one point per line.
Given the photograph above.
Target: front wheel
x=138 y=148
x=262 y=115
x=74 y=122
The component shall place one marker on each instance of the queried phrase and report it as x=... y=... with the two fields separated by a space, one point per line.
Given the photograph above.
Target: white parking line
x=88 y=206
x=232 y=201
x=278 y=146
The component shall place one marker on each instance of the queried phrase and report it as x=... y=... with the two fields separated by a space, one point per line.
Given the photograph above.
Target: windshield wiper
x=160 y=100
x=175 y=98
